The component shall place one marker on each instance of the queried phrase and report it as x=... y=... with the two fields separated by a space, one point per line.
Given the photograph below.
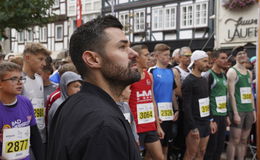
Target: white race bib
x=16 y=142
x=127 y=117
x=145 y=113
x=204 y=107
x=221 y=104
x=39 y=112
x=246 y=95
x=165 y=111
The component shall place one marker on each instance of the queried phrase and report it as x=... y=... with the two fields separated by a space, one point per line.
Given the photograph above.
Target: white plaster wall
x=186 y=34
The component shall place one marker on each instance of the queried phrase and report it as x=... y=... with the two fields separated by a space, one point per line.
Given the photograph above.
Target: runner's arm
x=36 y=143
x=187 y=100
x=177 y=80
x=252 y=97
x=231 y=78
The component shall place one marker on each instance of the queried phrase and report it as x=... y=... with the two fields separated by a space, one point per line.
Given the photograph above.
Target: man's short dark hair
x=216 y=53
x=139 y=47
x=236 y=50
x=90 y=36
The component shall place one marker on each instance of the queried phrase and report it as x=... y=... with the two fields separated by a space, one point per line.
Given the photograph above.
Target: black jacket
x=90 y=126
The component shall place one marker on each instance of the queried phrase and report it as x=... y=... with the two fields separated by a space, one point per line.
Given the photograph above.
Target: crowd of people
x=113 y=101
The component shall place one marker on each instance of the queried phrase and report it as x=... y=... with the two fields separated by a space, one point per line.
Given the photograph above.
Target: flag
x=79 y=13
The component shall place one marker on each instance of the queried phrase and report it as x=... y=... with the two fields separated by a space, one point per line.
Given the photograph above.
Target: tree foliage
x=21 y=14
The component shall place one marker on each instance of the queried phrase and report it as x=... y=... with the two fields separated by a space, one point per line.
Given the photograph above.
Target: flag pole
x=78 y=13
x=257 y=86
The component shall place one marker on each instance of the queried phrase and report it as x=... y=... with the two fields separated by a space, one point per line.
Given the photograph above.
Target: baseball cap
x=236 y=50
x=196 y=55
x=253 y=59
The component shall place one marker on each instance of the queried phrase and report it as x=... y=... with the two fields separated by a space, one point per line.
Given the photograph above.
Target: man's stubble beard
x=118 y=75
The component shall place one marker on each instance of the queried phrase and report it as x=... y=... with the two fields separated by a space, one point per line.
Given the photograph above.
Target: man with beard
x=243 y=113
x=197 y=118
x=144 y=108
x=217 y=85
x=90 y=125
x=181 y=73
x=184 y=59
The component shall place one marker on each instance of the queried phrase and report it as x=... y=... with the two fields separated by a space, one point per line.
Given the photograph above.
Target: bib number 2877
x=16 y=146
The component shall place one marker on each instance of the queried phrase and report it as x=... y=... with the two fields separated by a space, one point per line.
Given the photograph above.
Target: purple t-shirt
x=21 y=115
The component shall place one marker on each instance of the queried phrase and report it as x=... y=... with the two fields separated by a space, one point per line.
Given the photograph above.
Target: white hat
x=196 y=55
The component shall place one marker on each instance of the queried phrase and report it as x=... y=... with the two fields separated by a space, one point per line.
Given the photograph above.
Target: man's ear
x=92 y=59
x=26 y=57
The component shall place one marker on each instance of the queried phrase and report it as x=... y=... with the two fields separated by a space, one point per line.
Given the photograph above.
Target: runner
x=164 y=88
x=184 y=59
x=217 y=85
x=243 y=113
x=18 y=129
x=70 y=84
x=124 y=107
x=90 y=125
x=144 y=108
x=34 y=56
x=57 y=93
x=181 y=72
x=196 y=106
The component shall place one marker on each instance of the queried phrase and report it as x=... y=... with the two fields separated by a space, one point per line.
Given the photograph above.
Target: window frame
x=19 y=40
x=160 y=25
x=56 y=32
x=125 y=21
x=187 y=15
x=174 y=18
x=43 y=34
x=139 y=11
x=201 y=17
x=28 y=32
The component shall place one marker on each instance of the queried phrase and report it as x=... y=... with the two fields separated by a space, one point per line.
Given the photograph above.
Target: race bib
x=221 y=104
x=165 y=111
x=127 y=117
x=16 y=142
x=39 y=112
x=246 y=95
x=145 y=113
x=204 y=107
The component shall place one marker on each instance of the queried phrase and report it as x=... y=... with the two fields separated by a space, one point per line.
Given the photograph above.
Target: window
x=124 y=19
x=157 y=23
x=59 y=32
x=88 y=7
x=170 y=18
x=43 y=34
x=71 y=7
x=97 y=6
x=139 y=21
x=29 y=35
x=21 y=37
x=187 y=16
x=56 y=3
x=164 y=18
x=201 y=14
x=194 y=15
